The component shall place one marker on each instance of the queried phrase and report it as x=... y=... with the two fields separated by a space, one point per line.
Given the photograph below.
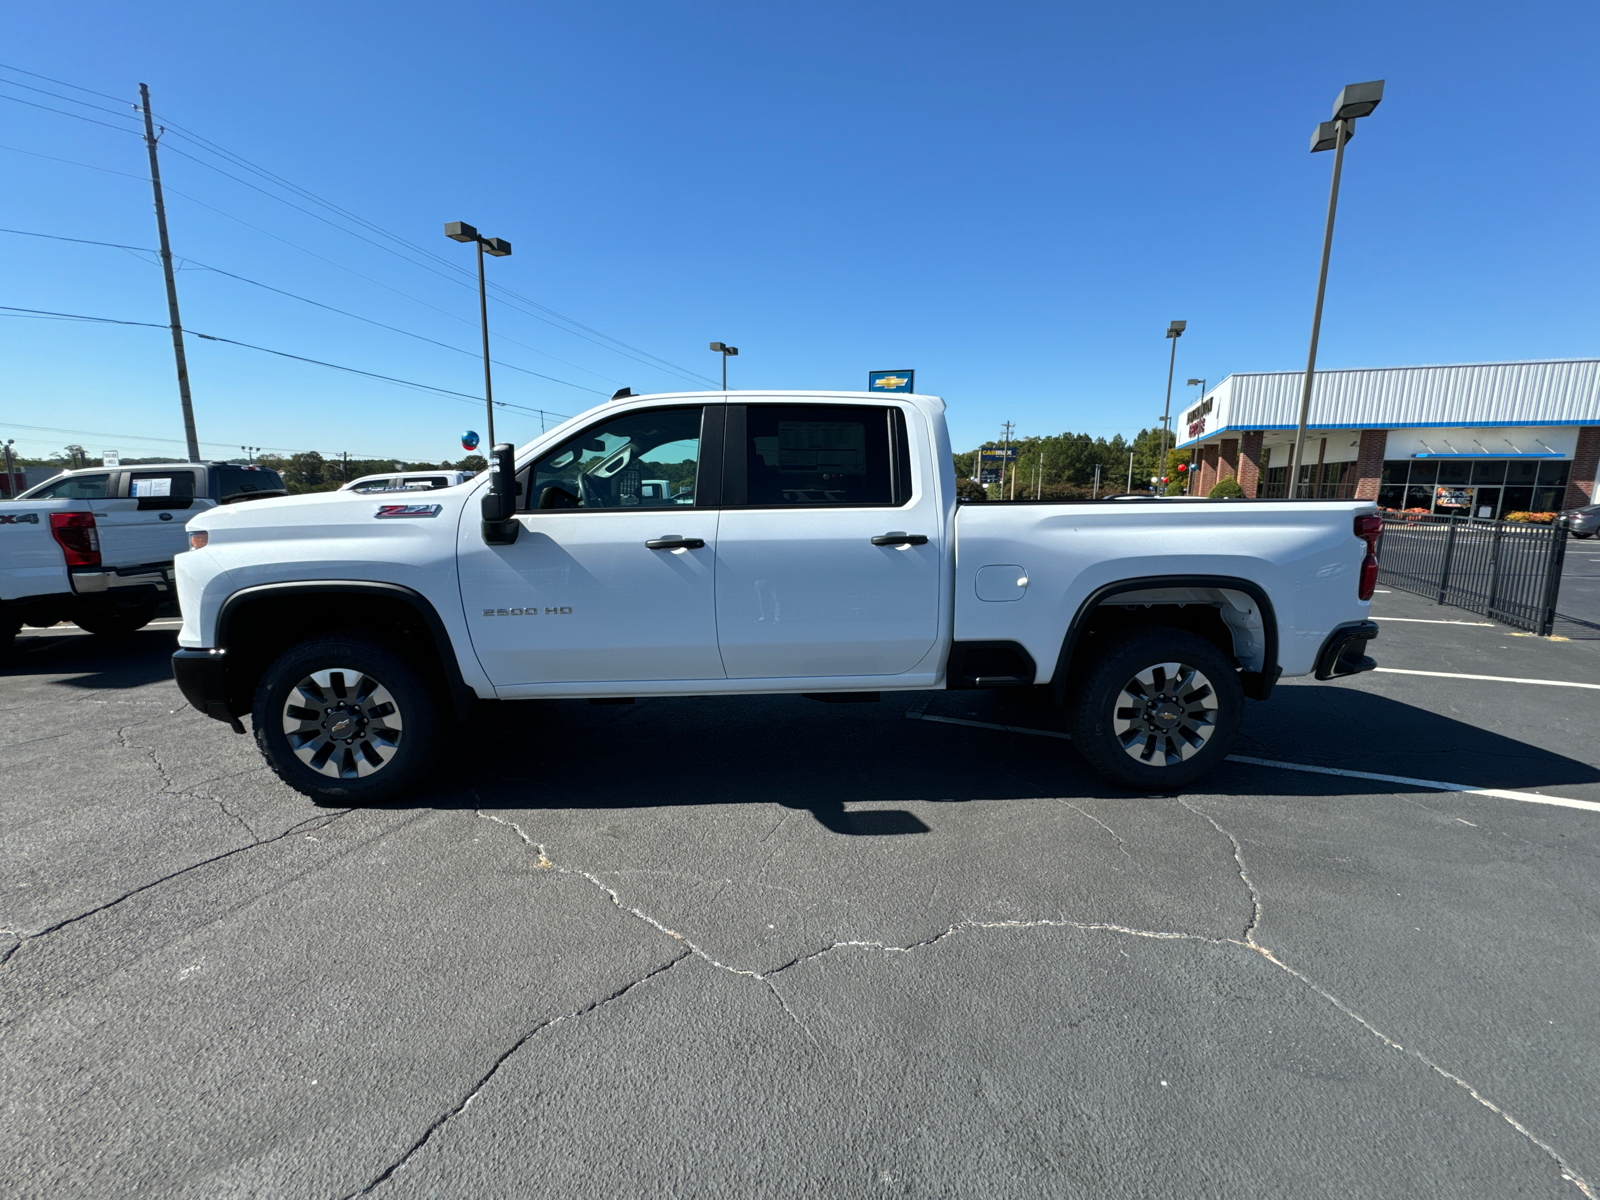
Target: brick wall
x=1585 y=460
x=1208 y=468
x=1250 y=463
x=1369 y=463
x=1228 y=458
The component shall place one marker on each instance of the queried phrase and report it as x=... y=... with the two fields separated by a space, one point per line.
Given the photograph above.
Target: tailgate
x=31 y=562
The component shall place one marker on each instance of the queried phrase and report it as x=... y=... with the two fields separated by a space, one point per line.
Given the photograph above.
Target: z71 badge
x=409 y=510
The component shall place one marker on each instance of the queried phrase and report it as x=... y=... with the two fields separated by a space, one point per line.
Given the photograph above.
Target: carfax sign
x=891 y=381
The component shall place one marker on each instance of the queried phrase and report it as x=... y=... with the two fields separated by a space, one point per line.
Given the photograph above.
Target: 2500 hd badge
x=531 y=611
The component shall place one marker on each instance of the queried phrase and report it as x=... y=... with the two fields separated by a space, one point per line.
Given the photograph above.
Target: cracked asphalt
x=769 y=947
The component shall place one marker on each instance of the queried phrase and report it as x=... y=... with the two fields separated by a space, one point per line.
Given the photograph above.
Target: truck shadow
x=830 y=759
x=86 y=661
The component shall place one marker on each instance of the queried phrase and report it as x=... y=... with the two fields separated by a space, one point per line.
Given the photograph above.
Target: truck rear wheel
x=345 y=720
x=115 y=622
x=1158 y=708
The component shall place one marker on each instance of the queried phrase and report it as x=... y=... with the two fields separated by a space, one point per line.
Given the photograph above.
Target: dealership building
x=1481 y=439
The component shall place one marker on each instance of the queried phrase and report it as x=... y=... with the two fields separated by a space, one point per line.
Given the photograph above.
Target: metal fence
x=1507 y=570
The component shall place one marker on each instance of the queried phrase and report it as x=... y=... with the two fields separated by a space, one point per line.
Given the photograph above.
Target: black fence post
x=1449 y=553
x=1552 y=577
x=1494 y=564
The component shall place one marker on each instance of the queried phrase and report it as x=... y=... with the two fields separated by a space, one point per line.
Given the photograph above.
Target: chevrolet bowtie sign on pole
x=891 y=381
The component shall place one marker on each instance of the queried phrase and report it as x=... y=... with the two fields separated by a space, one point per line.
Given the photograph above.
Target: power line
x=465 y=397
x=58 y=96
x=172 y=191
x=616 y=344
x=56 y=237
x=59 y=82
x=461 y=272
x=75 y=116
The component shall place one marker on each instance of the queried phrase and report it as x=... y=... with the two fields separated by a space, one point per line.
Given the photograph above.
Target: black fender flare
x=1257 y=685
x=461 y=693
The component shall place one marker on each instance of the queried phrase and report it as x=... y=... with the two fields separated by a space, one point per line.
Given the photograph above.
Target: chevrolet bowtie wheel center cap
x=341 y=722
x=1165 y=714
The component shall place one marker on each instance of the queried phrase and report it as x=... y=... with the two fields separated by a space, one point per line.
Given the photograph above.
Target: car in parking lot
x=1583 y=522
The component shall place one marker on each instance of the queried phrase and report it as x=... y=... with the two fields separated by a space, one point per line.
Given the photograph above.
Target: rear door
x=803 y=589
x=144 y=523
x=607 y=580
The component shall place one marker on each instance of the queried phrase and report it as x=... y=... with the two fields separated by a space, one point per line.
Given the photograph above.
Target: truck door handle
x=900 y=539
x=675 y=543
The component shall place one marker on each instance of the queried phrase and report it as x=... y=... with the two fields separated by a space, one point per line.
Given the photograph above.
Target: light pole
x=727 y=352
x=460 y=231
x=1174 y=331
x=1190 y=471
x=11 y=470
x=250 y=453
x=1355 y=100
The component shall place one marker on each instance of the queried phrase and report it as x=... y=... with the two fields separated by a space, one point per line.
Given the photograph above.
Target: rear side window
x=164 y=485
x=74 y=487
x=822 y=454
x=243 y=483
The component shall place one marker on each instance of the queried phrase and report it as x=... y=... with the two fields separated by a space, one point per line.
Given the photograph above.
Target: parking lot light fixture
x=460 y=231
x=1174 y=331
x=727 y=352
x=1354 y=100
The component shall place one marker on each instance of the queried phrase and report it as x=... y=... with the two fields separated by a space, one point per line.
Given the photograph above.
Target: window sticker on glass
x=153 y=487
x=831 y=446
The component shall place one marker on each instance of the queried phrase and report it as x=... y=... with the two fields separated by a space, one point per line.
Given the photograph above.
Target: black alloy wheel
x=1157 y=708
x=346 y=720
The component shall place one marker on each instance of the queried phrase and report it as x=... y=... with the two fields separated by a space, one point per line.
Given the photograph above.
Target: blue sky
x=1012 y=200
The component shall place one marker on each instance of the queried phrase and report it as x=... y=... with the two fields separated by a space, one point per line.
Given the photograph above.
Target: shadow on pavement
x=89 y=661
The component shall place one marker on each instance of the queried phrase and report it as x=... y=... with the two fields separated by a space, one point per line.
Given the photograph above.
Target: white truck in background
x=787 y=542
x=95 y=546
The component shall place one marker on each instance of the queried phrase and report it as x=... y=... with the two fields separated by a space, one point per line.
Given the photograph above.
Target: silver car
x=1583 y=522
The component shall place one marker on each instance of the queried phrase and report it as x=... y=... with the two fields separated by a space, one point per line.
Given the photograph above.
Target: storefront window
x=1454 y=472
x=1482 y=488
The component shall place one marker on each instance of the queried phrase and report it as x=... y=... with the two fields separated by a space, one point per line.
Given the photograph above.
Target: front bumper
x=1344 y=651
x=202 y=677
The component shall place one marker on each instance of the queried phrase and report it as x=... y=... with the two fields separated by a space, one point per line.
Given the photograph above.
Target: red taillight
x=1368 y=528
x=79 y=539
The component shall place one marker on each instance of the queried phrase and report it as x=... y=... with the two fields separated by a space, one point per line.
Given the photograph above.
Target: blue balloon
x=469 y=440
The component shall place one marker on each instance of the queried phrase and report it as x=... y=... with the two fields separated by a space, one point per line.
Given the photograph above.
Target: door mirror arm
x=500 y=527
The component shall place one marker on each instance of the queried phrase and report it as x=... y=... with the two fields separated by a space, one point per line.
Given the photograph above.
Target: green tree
x=307 y=472
x=473 y=463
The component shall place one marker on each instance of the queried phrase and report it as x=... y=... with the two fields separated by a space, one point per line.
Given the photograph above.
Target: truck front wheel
x=1157 y=709
x=345 y=720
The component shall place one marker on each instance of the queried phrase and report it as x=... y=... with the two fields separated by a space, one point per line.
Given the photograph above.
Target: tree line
x=1062 y=466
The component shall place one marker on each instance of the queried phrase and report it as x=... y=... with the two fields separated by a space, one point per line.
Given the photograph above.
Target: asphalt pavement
x=1580 y=588
x=770 y=947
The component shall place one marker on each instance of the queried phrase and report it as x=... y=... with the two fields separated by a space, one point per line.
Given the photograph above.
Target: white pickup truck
x=96 y=546
x=725 y=543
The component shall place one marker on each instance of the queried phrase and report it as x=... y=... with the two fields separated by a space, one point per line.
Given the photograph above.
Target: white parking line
x=1431 y=784
x=1490 y=678
x=1430 y=621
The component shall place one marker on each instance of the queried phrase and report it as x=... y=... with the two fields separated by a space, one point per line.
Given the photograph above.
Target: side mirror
x=500 y=528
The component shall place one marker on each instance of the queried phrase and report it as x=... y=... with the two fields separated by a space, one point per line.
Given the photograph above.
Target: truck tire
x=115 y=622
x=1157 y=709
x=352 y=686
x=9 y=625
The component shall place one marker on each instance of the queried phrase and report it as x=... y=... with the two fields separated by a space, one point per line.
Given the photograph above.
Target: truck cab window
x=646 y=459
x=75 y=487
x=817 y=454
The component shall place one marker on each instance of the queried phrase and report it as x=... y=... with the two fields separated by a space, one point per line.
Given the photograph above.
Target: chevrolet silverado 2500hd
x=95 y=546
x=701 y=544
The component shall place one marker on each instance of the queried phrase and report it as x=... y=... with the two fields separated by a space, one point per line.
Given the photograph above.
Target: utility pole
x=1130 y=470
x=1095 y=495
x=172 y=286
x=1005 y=461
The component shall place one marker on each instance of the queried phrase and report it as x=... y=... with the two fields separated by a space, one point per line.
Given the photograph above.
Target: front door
x=145 y=524
x=802 y=590
x=611 y=576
